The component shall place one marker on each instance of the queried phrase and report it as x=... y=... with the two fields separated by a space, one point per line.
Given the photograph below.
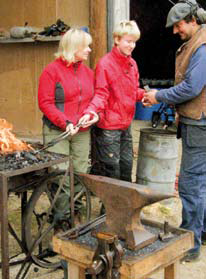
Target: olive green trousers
x=78 y=147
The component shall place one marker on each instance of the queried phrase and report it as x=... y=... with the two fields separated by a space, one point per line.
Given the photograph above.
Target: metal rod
x=23 y=208
x=53 y=141
x=71 y=171
x=84 y=227
x=4 y=226
x=13 y=233
x=171 y=2
x=56 y=140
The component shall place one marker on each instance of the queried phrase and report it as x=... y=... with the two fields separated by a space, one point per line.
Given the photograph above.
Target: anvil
x=123 y=202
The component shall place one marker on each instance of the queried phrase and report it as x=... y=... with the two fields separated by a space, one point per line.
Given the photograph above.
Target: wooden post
x=75 y=271
x=117 y=10
x=98 y=29
x=172 y=271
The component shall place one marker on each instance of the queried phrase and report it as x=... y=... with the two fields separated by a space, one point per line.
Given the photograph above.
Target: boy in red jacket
x=116 y=93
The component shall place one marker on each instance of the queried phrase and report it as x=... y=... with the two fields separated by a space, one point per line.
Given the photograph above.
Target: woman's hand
x=72 y=129
x=88 y=119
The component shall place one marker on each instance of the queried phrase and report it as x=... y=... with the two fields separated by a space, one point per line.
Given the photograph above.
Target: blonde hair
x=71 y=42
x=126 y=27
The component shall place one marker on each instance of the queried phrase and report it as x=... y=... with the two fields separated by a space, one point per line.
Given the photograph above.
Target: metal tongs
x=56 y=140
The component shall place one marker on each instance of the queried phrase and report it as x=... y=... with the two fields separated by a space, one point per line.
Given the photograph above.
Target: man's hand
x=71 y=129
x=149 y=98
x=88 y=119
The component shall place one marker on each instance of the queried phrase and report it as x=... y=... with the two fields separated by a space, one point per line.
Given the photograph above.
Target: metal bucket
x=157 y=159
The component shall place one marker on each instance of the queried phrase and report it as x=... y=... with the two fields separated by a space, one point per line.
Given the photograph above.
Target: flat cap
x=180 y=10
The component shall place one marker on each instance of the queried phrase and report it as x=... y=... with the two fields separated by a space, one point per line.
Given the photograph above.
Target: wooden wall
x=22 y=63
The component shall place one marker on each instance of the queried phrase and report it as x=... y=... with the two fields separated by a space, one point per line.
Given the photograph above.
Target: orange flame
x=8 y=141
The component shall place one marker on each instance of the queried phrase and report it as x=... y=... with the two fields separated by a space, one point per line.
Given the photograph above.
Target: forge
x=123 y=202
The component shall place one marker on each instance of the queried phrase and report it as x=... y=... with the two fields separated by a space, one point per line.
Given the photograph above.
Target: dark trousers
x=112 y=153
x=192 y=181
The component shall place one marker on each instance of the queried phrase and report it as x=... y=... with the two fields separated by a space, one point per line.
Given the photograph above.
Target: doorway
x=155 y=51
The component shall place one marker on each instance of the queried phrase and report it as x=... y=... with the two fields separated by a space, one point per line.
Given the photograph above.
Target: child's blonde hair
x=126 y=27
x=71 y=42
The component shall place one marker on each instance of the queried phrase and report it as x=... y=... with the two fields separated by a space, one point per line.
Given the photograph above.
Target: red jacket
x=116 y=90
x=64 y=92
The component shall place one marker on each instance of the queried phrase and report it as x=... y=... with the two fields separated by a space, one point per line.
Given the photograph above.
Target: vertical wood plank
x=172 y=271
x=98 y=27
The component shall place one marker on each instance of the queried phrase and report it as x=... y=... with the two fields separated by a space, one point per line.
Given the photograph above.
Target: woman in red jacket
x=65 y=91
x=116 y=92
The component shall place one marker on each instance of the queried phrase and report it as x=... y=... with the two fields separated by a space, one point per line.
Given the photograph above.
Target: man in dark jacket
x=189 y=96
x=116 y=92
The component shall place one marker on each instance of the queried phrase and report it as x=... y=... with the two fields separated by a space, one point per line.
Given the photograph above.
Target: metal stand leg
x=4 y=227
x=23 y=208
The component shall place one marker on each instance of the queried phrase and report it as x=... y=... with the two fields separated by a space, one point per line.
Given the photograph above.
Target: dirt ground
x=169 y=210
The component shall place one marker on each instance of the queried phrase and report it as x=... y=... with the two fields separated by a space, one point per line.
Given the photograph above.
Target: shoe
x=203 y=238
x=191 y=257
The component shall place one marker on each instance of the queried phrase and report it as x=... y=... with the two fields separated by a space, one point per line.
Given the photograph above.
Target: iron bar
x=71 y=171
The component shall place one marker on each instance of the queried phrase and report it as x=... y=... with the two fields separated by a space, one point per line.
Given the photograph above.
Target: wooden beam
x=98 y=29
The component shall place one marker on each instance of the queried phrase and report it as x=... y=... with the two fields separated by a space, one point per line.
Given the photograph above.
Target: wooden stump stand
x=79 y=256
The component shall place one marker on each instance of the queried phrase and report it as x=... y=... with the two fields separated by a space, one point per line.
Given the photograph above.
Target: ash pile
x=23 y=159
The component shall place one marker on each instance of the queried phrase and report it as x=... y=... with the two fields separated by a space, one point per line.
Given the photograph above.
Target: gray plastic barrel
x=157 y=159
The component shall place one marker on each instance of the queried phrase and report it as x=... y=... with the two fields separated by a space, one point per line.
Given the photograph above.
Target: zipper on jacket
x=80 y=89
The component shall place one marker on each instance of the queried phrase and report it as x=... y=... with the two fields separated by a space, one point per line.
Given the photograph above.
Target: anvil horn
x=123 y=202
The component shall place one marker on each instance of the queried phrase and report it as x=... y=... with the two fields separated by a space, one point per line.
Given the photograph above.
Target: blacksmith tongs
x=56 y=140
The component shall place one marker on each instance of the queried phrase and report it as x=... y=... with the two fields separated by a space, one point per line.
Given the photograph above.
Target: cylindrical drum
x=157 y=159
